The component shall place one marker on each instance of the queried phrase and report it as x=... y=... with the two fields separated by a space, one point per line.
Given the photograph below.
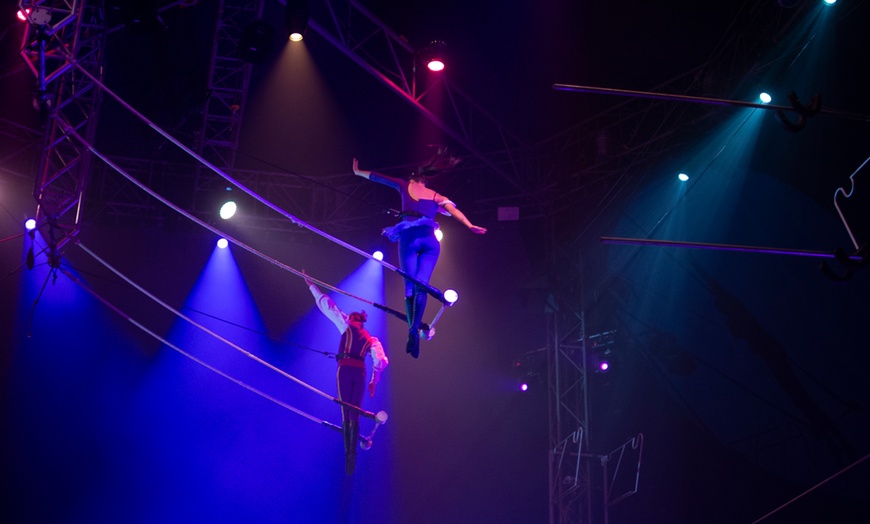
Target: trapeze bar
x=723 y=247
x=666 y=96
x=432 y=291
x=387 y=309
x=435 y=320
x=698 y=99
x=361 y=411
x=366 y=442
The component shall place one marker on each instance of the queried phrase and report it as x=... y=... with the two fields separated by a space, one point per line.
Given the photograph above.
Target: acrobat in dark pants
x=418 y=246
x=350 y=378
x=418 y=250
x=354 y=345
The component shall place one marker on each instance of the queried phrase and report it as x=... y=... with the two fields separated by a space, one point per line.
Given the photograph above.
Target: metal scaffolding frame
x=570 y=477
x=332 y=201
x=545 y=180
x=536 y=179
x=599 y=157
x=390 y=58
x=227 y=93
x=62 y=36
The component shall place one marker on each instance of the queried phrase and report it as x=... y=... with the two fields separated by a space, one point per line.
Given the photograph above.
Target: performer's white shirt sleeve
x=379 y=359
x=328 y=307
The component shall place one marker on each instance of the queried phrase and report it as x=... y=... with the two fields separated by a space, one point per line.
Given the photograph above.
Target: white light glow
x=765 y=98
x=228 y=210
x=378 y=255
x=439 y=234
x=295 y=37
x=30 y=224
x=451 y=296
x=223 y=243
x=683 y=177
x=435 y=65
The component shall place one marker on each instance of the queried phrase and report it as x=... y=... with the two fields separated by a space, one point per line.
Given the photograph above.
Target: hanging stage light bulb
x=228 y=209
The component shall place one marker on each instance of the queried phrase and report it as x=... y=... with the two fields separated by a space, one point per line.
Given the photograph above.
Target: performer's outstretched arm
x=379 y=363
x=328 y=307
x=460 y=216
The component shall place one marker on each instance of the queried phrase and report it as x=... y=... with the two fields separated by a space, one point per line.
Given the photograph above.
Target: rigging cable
x=379 y=418
x=241 y=350
x=220 y=233
x=434 y=292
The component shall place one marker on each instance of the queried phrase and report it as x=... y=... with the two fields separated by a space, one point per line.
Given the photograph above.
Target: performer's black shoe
x=417 y=307
x=413 y=345
x=349 y=463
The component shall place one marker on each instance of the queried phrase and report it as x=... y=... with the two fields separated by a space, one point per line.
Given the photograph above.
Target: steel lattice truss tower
x=388 y=57
x=63 y=47
x=228 y=83
x=570 y=482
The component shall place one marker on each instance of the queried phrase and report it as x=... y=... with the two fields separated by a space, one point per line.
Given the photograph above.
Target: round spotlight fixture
x=223 y=243
x=38 y=16
x=296 y=15
x=764 y=98
x=228 y=209
x=433 y=56
x=30 y=224
x=378 y=255
x=451 y=296
x=683 y=177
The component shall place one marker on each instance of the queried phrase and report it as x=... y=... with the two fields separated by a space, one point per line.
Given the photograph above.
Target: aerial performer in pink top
x=415 y=232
